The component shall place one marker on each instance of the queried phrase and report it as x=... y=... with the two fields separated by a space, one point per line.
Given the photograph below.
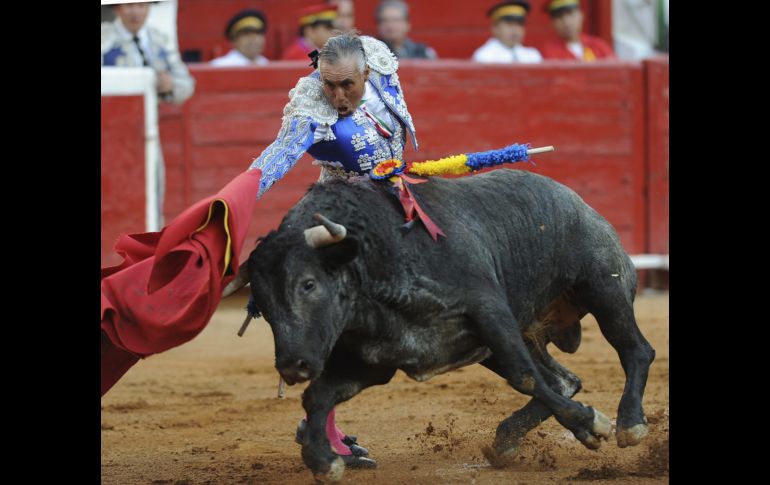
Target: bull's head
x=304 y=293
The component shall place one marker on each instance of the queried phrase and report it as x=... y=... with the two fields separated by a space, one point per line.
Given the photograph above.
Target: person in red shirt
x=315 y=27
x=573 y=44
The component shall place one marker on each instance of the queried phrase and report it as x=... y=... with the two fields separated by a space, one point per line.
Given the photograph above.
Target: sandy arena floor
x=207 y=413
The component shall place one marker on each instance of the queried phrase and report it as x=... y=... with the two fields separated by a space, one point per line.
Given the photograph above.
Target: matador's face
x=344 y=84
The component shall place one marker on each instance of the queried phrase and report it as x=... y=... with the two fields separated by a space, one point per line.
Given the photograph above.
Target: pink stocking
x=335 y=436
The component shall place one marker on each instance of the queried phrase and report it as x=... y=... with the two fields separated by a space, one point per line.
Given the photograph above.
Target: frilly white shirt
x=495 y=51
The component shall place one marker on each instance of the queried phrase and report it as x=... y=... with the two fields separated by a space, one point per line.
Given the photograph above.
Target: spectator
x=345 y=15
x=573 y=44
x=508 y=19
x=128 y=42
x=246 y=31
x=315 y=27
x=638 y=28
x=393 y=25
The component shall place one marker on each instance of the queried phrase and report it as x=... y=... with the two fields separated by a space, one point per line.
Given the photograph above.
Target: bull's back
x=527 y=210
x=503 y=188
x=528 y=229
x=504 y=225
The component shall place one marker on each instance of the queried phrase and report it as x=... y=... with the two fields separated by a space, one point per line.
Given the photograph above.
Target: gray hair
x=341 y=46
x=399 y=4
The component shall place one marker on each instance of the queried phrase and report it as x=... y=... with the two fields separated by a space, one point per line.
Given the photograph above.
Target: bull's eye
x=308 y=285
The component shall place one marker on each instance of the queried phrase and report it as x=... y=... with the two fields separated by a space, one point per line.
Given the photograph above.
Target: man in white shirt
x=508 y=31
x=129 y=42
x=246 y=31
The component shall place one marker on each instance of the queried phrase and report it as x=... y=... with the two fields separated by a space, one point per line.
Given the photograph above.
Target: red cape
x=170 y=282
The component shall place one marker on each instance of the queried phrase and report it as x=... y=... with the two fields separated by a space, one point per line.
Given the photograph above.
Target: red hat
x=322 y=12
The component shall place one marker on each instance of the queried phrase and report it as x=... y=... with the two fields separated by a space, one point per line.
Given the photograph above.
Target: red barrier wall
x=594 y=115
x=171 y=123
x=657 y=101
x=123 y=199
x=608 y=121
x=455 y=28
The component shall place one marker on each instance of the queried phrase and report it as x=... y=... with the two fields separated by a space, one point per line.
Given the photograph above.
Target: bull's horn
x=328 y=233
x=241 y=280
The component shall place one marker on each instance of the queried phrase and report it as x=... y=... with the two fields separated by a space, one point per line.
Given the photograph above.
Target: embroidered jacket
x=345 y=146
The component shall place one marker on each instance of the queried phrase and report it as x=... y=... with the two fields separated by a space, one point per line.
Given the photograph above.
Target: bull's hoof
x=500 y=458
x=601 y=427
x=504 y=449
x=631 y=436
x=334 y=474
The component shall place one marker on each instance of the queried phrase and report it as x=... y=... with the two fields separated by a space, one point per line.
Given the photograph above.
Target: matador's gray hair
x=341 y=46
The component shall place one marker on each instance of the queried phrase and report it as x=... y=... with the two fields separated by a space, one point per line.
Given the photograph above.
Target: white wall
x=635 y=27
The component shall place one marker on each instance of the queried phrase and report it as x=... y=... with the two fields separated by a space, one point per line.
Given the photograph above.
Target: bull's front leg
x=500 y=331
x=341 y=380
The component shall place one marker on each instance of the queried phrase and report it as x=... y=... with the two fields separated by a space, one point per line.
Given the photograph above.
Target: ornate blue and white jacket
x=346 y=146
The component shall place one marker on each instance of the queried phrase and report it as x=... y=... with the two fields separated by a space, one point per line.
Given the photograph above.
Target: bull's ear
x=339 y=253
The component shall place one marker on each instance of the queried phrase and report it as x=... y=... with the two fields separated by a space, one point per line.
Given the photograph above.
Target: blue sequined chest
x=343 y=146
x=357 y=146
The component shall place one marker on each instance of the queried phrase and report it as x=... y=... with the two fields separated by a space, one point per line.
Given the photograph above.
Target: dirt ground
x=207 y=413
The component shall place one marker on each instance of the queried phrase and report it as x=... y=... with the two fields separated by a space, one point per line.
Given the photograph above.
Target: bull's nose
x=294 y=372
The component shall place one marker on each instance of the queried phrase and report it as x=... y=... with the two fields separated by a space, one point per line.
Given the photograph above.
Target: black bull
x=525 y=258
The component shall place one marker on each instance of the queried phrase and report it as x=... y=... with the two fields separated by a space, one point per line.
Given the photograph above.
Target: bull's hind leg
x=611 y=303
x=512 y=430
x=501 y=333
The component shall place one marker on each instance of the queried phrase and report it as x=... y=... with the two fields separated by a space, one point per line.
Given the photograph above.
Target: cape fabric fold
x=170 y=282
